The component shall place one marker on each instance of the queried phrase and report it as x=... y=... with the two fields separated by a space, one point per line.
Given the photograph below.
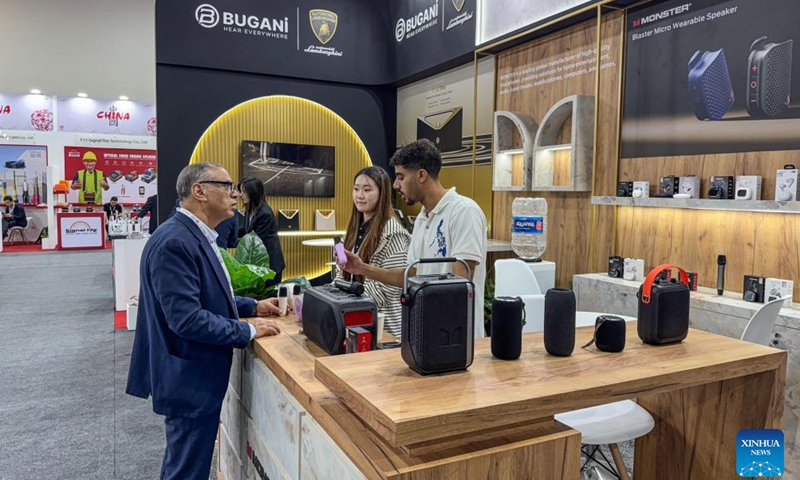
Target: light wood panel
x=701 y=437
x=405 y=408
x=570 y=218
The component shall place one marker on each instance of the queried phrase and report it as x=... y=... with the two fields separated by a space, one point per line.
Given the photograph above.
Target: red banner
x=129 y=175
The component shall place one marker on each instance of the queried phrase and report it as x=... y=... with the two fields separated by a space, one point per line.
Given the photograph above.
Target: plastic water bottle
x=529 y=227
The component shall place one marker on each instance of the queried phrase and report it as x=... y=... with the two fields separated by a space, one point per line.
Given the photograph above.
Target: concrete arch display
x=565 y=166
x=511 y=167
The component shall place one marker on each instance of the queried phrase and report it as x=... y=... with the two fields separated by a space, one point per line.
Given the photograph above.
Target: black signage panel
x=346 y=41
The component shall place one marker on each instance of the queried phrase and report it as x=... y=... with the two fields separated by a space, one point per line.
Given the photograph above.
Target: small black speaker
x=559 y=322
x=609 y=332
x=508 y=316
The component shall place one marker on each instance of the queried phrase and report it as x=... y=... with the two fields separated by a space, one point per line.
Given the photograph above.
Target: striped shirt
x=390 y=254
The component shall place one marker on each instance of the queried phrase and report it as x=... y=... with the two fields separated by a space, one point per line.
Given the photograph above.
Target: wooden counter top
x=406 y=408
x=290 y=356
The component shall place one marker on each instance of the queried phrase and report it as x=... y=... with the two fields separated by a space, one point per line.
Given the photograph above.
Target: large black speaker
x=438 y=321
x=663 y=315
x=508 y=316
x=559 y=322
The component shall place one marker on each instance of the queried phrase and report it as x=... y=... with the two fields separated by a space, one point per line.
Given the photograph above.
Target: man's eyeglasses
x=225 y=185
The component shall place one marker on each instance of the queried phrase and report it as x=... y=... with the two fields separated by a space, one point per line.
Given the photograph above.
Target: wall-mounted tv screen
x=289 y=169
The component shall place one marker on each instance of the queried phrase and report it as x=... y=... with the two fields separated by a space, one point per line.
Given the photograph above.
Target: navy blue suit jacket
x=187 y=325
x=18 y=215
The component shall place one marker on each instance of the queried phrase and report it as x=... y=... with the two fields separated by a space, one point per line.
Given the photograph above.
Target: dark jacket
x=18 y=216
x=187 y=325
x=229 y=231
x=151 y=207
x=266 y=227
x=111 y=210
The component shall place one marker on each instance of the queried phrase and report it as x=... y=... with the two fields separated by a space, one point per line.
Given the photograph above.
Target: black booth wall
x=190 y=99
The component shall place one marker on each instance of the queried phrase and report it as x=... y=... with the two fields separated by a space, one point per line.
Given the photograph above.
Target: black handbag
x=288 y=220
x=663 y=315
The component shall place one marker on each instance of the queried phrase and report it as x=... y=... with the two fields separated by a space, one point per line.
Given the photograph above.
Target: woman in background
x=375 y=234
x=259 y=218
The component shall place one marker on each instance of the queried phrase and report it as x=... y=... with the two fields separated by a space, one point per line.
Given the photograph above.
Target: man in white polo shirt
x=449 y=225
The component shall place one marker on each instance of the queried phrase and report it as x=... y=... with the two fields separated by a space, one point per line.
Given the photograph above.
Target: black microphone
x=721 y=261
x=353 y=288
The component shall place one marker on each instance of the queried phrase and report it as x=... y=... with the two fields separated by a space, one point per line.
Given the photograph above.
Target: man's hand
x=354 y=264
x=76 y=186
x=104 y=184
x=7 y=215
x=268 y=308
x=265 y=328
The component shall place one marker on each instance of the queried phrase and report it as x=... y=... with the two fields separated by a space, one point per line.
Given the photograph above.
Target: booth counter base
x=382 y=421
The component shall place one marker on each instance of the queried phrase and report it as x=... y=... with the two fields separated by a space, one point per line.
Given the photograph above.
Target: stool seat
x=610 y=423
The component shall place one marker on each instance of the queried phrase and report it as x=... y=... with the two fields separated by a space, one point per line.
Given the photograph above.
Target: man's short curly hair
x=419 y=154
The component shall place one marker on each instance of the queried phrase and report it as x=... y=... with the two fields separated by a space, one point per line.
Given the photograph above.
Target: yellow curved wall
x=287 y=119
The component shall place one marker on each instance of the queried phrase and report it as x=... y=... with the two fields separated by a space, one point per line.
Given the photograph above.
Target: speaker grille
x=777 y=80
x=717 y=91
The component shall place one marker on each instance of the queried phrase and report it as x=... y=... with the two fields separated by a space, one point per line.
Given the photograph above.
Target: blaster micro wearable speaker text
x=769 y=77
x=710 y=85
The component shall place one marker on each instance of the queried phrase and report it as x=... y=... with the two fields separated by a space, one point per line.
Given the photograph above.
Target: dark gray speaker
x=559 y=322
x=508 y=316
x=609 y=331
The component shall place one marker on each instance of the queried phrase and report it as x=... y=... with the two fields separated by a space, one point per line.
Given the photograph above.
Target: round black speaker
x=559 y=322
x=507 y=319
x=609 y=330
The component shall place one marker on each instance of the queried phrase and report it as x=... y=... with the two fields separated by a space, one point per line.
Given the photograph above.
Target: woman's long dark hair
x=255 y=194
x=383 y=212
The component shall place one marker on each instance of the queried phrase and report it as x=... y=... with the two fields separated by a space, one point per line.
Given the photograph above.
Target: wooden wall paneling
x=776 y=249
x=569 y=214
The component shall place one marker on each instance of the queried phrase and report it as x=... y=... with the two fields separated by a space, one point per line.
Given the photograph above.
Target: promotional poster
x=88 y=115
x=129 y=174
x=22 y=172
x=711 y=76
x=26 y=112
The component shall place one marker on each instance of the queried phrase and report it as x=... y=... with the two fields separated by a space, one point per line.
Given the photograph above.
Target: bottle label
x=527 y=225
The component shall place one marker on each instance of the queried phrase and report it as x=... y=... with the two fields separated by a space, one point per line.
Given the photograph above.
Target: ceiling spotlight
x=123 y=98
x=82 y=95
x=36 y=91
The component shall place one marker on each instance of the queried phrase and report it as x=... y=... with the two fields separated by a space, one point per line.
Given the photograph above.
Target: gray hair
x=191 y=174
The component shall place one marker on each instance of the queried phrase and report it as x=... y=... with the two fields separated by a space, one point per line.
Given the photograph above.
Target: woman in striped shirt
x=376 y=235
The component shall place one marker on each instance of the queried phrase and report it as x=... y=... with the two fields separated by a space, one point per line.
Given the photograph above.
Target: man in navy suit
x=188 y=322
x=13 y=215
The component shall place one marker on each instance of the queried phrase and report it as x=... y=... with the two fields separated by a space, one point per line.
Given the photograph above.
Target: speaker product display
x=753 y=289
x=710 y=87
x=609 y=333
x=625 y=189
x=616 y=267
x=775 y=288
x=769 y=74
x=748 y=187
x=786 y=187
x=641 y=189
x=668 y=186
x=508 y=317
x=559 y=322
x=438 y=332
x=663 y=315
x=690 y=186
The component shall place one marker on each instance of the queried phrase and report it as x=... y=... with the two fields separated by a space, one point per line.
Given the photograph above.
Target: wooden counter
x=495 y=420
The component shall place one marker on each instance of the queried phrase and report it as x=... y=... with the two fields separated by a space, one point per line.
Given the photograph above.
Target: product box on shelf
x=753 y=289
x=775 y=288
x=616 y=267
x=641 y=189
x=690 y=186
x=624 y=189
x=633 y=269
x=668 y=186
x=748 y=187
x=786 y=186
x=721 y=188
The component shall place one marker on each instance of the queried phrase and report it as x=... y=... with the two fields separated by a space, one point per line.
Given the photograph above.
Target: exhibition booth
x=657 y=132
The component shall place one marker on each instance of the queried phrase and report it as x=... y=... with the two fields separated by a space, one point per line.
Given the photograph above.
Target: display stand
x=126 y=256
x=81 y=231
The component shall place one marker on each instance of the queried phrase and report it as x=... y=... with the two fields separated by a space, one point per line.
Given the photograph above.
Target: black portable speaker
x=328 y=311
x=438 y=332
x=559 y=322
x=609 y=332
x=769 y=73
x=663 y=315
x=508 y=317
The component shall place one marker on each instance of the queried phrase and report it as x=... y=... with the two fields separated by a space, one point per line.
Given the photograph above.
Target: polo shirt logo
x=440 y=240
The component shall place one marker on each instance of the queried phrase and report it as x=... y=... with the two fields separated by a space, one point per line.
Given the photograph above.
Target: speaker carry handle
x=647 y=287
x=405 y=298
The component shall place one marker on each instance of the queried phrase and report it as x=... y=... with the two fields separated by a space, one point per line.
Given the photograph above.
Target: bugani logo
x=207 y=16
x=323 y=23
x=759 y=453
x=408 y=27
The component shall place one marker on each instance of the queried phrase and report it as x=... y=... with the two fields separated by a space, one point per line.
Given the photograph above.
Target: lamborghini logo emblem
x=459 y=4
x=323 y=23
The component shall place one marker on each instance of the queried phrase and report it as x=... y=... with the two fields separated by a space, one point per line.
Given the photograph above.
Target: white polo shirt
x=456 y=227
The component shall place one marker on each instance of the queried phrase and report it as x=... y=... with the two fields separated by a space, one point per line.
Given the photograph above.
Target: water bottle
x=529 y=228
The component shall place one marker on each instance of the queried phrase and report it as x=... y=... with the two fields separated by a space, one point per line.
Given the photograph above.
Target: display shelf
x=512 y=166
x=312 y=233
x=770 y=206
